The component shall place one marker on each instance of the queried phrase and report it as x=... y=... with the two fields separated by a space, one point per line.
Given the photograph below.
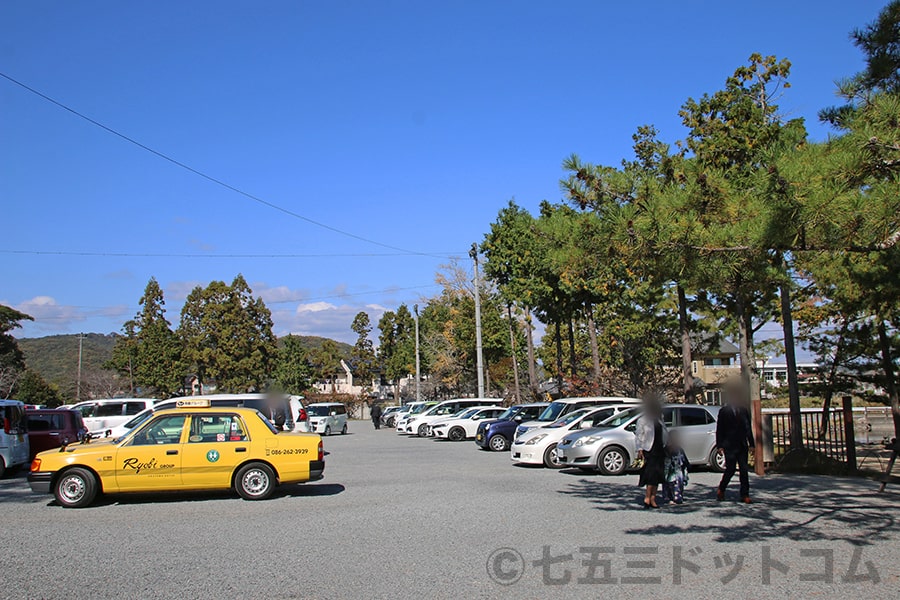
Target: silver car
x=610 y=448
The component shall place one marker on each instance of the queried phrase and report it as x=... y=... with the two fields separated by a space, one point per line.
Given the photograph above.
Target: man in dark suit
x=734 y=436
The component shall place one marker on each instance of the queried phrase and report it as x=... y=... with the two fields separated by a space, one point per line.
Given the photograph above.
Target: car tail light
x=5 y=425
x=36 y=464
x=321 y=451
x=301 y=416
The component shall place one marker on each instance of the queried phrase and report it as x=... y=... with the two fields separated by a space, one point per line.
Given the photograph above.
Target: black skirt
x=654 y=470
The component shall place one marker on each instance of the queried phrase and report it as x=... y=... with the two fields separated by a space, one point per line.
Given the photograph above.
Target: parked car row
x=591 y=434
x=28 y=430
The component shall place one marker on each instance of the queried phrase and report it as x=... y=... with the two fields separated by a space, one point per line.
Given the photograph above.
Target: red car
x=50 y=428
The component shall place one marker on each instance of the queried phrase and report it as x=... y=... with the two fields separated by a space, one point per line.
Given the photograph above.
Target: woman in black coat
x=651 y=437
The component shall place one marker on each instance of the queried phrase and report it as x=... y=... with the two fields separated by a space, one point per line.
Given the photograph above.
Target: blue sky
x=408 y=123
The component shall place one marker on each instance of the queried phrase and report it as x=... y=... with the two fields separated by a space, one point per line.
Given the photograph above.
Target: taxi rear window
x=267 y=423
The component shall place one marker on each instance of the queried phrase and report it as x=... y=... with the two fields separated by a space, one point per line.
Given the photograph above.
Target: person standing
x=376 y=415
x=677 y=466
x=651 y=437
x=734 y=437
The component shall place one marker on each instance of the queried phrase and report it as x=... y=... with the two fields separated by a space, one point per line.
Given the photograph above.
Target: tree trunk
x=887 y=364
x=532 y=371
x=749 y=376
x=559 y=359
x=787 y=324
x=573 y=367
x=592 y=335
x=686 y=358
x=515 y=360
x=832 y=375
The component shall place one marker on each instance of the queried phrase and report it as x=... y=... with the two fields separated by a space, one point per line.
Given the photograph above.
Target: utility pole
x=478 y=353
x=418 y=367
x=78 y=380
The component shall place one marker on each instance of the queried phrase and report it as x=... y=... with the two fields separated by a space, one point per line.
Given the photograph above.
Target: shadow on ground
x=795 y=508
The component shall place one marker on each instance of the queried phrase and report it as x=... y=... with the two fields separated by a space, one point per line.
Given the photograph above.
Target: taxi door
x=216 y=444
x=151 y=460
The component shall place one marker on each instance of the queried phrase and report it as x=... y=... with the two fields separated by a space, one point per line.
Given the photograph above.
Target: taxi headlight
x=535 y=439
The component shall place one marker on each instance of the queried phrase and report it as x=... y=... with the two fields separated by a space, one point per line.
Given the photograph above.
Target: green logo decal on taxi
x=212 y=455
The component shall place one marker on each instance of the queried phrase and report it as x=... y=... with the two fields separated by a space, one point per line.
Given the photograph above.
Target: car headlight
x=586 y=441
x=535 y=439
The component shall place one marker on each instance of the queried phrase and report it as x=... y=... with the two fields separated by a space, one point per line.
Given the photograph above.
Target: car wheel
x=717 y=460
x=344 y=429
x=328 y=430
x=498 y=443
x=457 y=434
x=423 y=430
x=391 y=423
x=551 y=458
x=612 y=461
x=75 y=488
x=2 y=467
x=255 y=481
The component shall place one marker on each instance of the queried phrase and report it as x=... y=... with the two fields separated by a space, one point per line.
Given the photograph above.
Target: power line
x=447 y=255
x=210 y=178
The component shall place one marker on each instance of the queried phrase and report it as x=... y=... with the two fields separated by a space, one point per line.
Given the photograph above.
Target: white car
x=538 y=446
x=418 y=424
x=326 y=418
x=101 y=416
x=560 y=408
x=413 y=409
x=465 y=424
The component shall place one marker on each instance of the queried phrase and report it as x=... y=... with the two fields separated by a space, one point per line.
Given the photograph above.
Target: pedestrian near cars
x=651 y=437
x=676 y=471
x=734 y=437
x=376 y=415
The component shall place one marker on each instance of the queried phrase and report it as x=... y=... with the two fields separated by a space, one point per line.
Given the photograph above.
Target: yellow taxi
x=191 y=447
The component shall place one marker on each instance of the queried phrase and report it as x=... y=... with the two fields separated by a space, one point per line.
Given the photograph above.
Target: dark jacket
x=733 y=430
x=376 y=412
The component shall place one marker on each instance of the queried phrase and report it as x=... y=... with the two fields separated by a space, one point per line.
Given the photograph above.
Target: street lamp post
x=478 y=351
x=418 y=371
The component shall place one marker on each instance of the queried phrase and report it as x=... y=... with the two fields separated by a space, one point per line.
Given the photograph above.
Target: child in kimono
x=676 y=471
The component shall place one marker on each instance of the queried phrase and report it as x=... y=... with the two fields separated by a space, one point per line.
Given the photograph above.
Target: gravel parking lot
x=413 y=518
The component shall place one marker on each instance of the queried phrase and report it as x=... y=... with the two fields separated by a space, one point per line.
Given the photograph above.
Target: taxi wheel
x=75 y=488
x=457 y=434
x=255 y=481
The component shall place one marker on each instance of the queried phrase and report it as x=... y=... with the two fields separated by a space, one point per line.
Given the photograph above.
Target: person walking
x=734 y=437
x=651 y=437
x=376 y=415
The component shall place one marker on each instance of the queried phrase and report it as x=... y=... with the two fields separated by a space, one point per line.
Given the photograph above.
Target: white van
x=14 y=449
x=327 y=417
x=101 y=416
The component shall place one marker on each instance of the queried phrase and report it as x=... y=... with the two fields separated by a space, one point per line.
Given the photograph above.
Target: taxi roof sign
x=193 y=403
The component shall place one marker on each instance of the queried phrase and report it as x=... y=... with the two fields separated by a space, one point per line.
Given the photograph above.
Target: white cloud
x=51 y=316
x=315 y=307
x=278 y=294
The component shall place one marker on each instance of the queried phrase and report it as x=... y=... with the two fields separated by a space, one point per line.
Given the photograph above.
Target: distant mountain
x=55 y=357
x=314 y=342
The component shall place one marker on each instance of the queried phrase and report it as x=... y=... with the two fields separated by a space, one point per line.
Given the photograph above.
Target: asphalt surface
x=414 y=518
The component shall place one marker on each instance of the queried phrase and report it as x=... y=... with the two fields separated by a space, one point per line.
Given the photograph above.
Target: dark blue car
x=498 y=434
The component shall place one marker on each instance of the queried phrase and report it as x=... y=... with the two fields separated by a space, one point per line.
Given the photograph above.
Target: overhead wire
x=206 y=176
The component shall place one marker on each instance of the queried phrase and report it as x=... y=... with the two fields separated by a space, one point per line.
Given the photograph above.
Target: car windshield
x=569 y=418
x=420 y=408
x=509 y=413
x=551 y=413
x=323 y=410
x=621 y=418
x=466 y=413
